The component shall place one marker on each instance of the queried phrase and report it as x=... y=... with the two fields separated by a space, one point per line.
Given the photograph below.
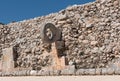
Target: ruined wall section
x=4 y=31
x=91 y=34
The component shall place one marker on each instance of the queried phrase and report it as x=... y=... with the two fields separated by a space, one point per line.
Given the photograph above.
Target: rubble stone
x=90 y=31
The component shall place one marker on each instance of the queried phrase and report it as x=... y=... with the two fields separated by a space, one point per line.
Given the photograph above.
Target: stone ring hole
x=49 y=34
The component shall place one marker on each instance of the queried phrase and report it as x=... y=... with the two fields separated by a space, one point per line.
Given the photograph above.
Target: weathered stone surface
x=86 y=72
x=98 y=71
x=61 y=17
x=80 y=72
x=90 y=31
x=93 y=42
x=117 y=71
x=55 y=72
x=8 y=59
x=43 y=73
x=33 y=72
x=111 y=71
x=104 y=71
x=70 y=70
x=28 y=72
x=92 y=71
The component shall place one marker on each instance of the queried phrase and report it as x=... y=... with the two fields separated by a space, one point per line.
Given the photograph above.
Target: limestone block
x=70 y=70
x=92 y=71
x=80 y=72
x=8 y=60
x=110 y=71
x=98 y=71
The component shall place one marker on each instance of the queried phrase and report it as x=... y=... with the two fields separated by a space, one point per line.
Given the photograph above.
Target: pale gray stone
x=70 y=70
x=33 y=72
x=80 y=72
x=92 y=71
x=104 y=71
x=110 y=71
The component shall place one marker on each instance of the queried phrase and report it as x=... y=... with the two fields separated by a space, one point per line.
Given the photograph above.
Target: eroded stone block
x=80 y=72
x=8 y=59
x=98 y=71
x=70 y=70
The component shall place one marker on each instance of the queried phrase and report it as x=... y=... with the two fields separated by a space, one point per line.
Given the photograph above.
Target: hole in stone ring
x=49 y=33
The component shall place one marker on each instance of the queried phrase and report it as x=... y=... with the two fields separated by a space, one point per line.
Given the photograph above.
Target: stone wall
x=91 y=33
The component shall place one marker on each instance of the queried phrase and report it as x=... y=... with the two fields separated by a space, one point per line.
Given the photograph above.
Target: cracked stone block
x=8 y=60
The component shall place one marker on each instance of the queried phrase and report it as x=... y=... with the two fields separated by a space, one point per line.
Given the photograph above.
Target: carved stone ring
x=49 y=33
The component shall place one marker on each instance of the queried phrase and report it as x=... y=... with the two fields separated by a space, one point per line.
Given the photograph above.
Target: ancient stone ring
x=49 y=33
